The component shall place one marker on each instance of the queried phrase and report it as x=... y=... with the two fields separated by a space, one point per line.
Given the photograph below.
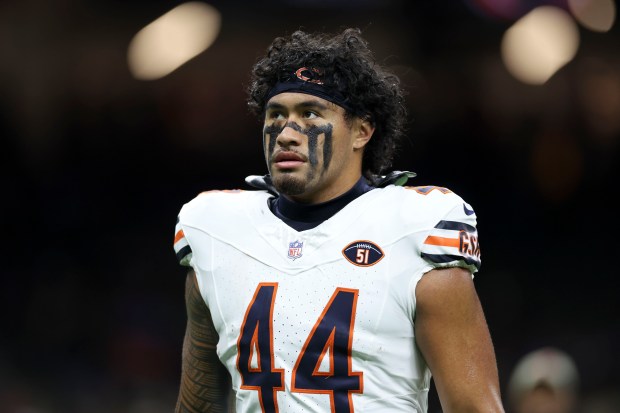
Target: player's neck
x=313 y=214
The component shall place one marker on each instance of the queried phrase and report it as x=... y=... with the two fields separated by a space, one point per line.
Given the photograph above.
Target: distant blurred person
x=333 y=288
x=544 y=381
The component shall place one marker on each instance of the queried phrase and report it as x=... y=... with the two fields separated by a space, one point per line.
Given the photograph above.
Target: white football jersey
x=323 y=320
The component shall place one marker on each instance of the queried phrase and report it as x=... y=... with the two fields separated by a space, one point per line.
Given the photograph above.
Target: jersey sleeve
x=453 y=242
x=181 y=246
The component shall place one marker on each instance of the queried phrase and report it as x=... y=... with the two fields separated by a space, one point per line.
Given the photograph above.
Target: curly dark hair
x=347 y=65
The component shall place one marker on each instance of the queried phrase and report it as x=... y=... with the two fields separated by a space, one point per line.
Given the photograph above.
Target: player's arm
x=453 y=336
x=205 y=383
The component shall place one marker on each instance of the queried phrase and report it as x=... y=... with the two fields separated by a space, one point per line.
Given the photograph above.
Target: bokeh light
x=172 y=40
x=596 y=15
x=539 y=44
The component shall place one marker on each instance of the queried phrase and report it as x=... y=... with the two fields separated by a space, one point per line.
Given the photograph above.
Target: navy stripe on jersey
x=455 y=226
x=183 y=252
x=447 y=258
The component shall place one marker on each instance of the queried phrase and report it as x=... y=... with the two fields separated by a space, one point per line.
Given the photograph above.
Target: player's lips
x=288 y=159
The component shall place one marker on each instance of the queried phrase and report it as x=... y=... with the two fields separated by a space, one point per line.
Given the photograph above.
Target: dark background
x=95 y=166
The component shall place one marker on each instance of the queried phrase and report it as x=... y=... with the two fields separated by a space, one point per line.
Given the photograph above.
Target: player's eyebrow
x=274 y=105
x=311 y=103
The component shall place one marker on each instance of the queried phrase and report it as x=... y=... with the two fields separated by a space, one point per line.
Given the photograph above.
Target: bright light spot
x=596 y=15
x=172 y=39
x=539 y=44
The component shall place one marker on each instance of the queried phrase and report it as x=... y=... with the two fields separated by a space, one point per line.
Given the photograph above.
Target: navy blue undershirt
x=302 y=217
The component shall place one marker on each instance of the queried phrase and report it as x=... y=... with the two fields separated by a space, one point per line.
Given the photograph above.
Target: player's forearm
x=205 y=384
x=191 y=402
x=479 y=401
x=453 y=336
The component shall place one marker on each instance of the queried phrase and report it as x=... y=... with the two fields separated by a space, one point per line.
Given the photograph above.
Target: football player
x=333 y=287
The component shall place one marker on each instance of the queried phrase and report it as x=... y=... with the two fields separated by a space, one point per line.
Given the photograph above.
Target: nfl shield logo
x=294 y=249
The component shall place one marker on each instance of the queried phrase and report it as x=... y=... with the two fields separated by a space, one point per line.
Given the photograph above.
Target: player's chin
x=288 y=183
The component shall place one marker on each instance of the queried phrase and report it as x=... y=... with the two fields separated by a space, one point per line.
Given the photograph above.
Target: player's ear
x=364 y=129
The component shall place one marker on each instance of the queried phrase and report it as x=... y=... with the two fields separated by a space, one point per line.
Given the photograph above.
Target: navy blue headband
x=308 y=81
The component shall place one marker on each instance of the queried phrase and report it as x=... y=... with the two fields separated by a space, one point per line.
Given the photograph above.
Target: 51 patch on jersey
x=363 y=253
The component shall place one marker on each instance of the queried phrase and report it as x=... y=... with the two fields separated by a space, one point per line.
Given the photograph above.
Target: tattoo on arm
x=205 y=383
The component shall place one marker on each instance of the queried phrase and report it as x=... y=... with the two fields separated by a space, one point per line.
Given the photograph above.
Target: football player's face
x=313 y=152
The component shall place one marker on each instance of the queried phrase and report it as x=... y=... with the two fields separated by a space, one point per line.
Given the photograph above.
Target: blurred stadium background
x=514 y=107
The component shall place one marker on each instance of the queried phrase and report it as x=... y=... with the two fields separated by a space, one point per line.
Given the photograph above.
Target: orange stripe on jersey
x=178 y=236
x=442 y=241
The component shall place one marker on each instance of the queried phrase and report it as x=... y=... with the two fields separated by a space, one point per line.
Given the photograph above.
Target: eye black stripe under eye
x=313 y=132
x=272 y=133
x=327 y=148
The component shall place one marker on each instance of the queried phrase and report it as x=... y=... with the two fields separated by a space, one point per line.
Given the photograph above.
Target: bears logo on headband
x=308 y=80
x=309 y=75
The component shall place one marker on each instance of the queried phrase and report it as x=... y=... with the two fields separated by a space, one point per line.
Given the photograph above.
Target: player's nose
x=290 y=135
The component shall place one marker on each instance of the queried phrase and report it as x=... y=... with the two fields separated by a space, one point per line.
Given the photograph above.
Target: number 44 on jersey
x=331 y=336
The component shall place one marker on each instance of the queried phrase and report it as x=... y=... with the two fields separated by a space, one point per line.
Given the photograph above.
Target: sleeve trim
x=455 y=226
x=183 y=252
x=452 y=260
x=181 y=247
